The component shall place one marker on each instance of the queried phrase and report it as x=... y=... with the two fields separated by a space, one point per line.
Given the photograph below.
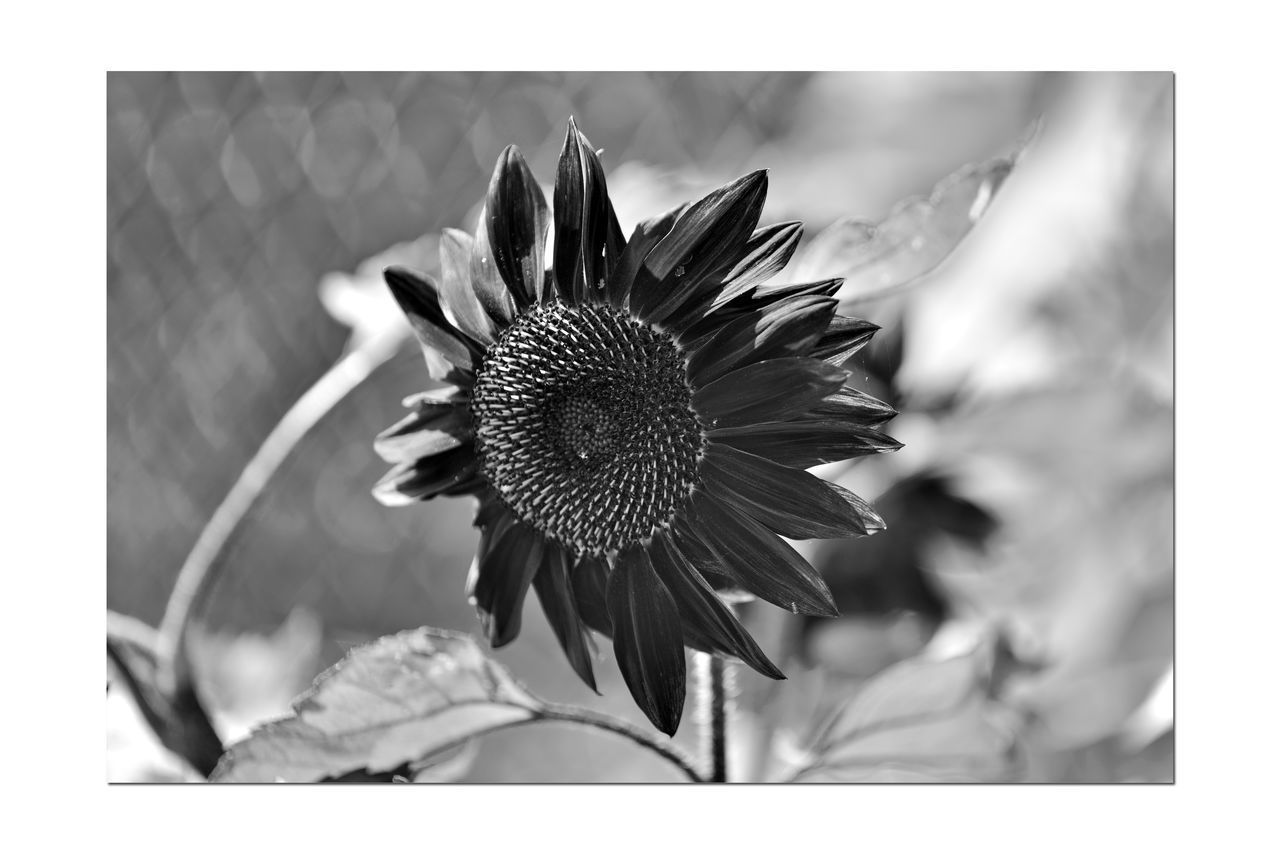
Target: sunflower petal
x=494 y=520
x=647 y=638
x=849 y=404
x=788 y=328
x=506 y=570
x=588 y=239
x=451 y=355
x=686 y=268
x=426 y=478
x=443 y=395
x=760 y=297
x=844 y=337
x=772 y=390
x=492 y=294
x=788 y=501
x=459 y=298
x=430 y=429
x=555 y=594
x=590 y=580
x=516 y=216
x=805 y=443
x=720 y=540
x=704 y=612
x=695 y=335
x=768 y=251
x=647 y=235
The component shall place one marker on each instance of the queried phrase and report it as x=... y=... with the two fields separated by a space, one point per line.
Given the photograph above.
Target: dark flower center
x=584 y=425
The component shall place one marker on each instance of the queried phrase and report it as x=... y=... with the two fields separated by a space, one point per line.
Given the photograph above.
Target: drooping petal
x=588 y=241
x=849 y=404
x=590 y=578
x=807 y=442
x=426 y=478
x=788 y=501
x=643 y=239
x=772 y=390
x=493 y=520
x=767 y=251
x=516 y=215
x=647 y=638
x=491 y=292
x=459 y=298
x=705 y=612
x=430 y=429
x=505 y=571
x=450 y=353
x=788 y=328
x=718 y=539
x=555 y=594
x=686 y=268
x=844 y=337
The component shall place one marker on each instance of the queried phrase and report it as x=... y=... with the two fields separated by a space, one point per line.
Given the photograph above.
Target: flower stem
x=713 y=712
x=572 y=714
x=203 y=565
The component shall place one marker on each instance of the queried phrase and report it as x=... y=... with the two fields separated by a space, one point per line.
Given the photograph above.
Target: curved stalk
x=202 y=568
x=586 y=717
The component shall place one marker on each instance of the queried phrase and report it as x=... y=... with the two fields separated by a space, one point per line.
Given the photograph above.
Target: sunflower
x=635 y=421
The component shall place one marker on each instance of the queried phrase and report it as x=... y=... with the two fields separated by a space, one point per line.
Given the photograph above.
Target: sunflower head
x=635 y=421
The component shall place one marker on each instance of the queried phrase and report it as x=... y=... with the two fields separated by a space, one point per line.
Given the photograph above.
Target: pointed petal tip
x=827 y=610
x=498 y=633
x=772 y=671
x=405 y=283
x=387 y=497
x=397 y=276
x=510 y=159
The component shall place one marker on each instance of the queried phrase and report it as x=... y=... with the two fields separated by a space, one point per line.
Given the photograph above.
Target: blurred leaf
x=387 y=704
x=922 y=721
x=876 y=258
x=176 y=716
x=1081 y=571
x=249 y=678
x=1153 y=764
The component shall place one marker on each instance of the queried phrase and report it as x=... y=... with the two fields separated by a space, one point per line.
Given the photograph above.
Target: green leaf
x=394 y=702
x=918 y=235
x=922 y=721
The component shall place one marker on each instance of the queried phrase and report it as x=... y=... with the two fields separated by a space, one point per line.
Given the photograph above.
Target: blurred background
x=249 y=217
